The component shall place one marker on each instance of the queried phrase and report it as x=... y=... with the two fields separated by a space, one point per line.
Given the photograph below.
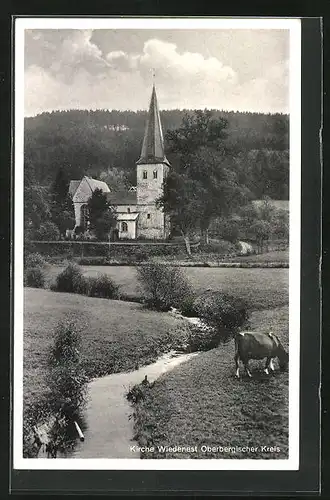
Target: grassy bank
x=261 y=288
x=201 y=403
x=117 y=336
x=274 y=256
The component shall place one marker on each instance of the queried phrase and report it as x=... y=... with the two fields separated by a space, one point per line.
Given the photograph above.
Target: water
x=109 y=428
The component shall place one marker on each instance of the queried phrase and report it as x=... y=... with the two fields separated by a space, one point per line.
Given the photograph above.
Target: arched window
x=145 y=174
x=124 y=227
x=155 y=174
x=128 y=210
x=84 y=216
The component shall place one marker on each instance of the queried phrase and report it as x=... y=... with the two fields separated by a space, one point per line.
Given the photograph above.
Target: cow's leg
x=237 y=364
x=271 y=365
x=267 y=366
x=246 y=366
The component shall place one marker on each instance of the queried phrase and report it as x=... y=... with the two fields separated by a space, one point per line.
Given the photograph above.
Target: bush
x=187 y=307
x=102 y=286
x=67 y=379
x=203 y=340
x=222 y=311
x=34 y=277
x=48 y=231
x=93 y=261
x=71 y=280
x=219 y=247
x=164 y=286
x=35 y=260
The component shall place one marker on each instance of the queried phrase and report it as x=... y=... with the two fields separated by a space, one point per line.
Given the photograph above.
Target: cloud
x=67 y=69
x=64 y=52
x=170 y=64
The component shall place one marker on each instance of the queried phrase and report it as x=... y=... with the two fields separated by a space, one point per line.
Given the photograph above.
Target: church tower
x=152 y=168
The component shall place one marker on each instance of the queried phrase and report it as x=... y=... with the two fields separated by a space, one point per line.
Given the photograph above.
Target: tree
x=281 y=225
x=102 y=216
x=202 y=176
x=261 y=230
x=180 y=202
x=48 y=231
x=36 y=207
x=62 y=209
x=228 y=228
x=197 y=130
x=219 y=191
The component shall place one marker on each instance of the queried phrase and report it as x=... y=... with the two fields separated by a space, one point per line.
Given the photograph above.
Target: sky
x=229 y=69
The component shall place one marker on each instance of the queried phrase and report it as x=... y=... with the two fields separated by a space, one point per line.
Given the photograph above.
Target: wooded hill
x=106 y=144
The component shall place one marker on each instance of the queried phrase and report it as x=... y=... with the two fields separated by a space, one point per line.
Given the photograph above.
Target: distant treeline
x=108 y=143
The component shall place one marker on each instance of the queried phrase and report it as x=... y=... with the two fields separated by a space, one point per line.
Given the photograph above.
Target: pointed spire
x=153 y=142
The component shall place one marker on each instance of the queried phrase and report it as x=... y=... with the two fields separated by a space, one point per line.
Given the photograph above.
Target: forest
x=106 y=145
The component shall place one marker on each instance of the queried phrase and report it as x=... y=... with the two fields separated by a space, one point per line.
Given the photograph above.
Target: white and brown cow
x=259 y=345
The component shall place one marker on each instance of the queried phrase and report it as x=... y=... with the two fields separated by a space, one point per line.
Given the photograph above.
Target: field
x=275 y=256
x=199 y=402
x=116 y=336
x=261 y=288
x=202 y=403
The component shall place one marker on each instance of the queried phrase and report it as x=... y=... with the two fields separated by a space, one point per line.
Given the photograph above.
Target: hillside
x=105 y=143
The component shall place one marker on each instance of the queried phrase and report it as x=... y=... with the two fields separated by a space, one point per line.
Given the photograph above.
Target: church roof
x=131 y=216
x=122 y=197
x=73 y=186
x=153 y=142
x=95 y=184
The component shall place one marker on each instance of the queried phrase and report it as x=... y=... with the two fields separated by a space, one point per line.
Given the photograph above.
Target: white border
x=293 y=25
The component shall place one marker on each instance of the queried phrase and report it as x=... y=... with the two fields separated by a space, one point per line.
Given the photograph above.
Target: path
x=109 y=430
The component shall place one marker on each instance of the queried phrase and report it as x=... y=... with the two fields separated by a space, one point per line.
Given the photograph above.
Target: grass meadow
x=199 y=402
x=260 y=288
x=202 y=403
x=116 y=336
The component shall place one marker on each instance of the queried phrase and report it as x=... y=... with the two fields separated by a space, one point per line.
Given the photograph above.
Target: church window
x=155 y=174
x=128 y=210
x=145 y=174
x=148 y=216
x=124 y=227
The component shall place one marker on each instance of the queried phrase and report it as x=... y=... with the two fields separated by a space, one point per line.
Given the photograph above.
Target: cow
x=259 y=345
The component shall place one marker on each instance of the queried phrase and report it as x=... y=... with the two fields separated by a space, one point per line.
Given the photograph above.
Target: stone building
x=137 y=213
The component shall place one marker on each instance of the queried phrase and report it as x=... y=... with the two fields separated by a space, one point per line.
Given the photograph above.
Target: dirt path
x=109 y=430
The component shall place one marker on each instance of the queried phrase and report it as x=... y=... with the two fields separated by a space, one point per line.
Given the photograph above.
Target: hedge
x=84 y=249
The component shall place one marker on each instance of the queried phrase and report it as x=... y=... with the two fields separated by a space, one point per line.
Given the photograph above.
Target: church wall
x=153 y=226
x=77 y=212
x=149 y=189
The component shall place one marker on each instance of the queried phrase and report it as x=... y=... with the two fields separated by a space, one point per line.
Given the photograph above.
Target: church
x=137 y=213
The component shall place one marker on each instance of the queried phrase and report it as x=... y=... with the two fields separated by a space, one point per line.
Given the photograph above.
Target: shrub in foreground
x=70 y=280
x=34 y=277
x=35 y=259
x=222 y=311
x=163 y=285
x=67 y=379
x=102 y=286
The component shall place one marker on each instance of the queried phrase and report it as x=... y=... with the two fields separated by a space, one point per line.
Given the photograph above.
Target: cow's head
x=283 y=360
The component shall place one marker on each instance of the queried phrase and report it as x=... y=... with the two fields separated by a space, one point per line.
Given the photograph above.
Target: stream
x=109 y=428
